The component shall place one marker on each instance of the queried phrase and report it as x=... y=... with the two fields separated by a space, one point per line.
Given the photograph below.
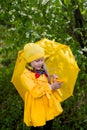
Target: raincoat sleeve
x=36 y=89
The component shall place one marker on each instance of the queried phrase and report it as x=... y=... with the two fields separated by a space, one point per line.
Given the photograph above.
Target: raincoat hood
x=32 y=52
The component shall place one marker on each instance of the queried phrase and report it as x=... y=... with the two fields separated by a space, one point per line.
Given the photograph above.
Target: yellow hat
x=32 y=52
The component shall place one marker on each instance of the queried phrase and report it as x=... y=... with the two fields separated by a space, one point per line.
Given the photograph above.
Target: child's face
x=37 y=64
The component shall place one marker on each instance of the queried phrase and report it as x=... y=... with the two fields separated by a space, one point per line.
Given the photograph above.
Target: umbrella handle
x=59 y=91
x=47 y=94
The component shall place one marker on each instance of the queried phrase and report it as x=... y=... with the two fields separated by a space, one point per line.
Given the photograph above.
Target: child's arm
x=35 y=89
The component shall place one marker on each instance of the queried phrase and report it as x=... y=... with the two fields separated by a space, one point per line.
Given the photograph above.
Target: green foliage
x=23 y=21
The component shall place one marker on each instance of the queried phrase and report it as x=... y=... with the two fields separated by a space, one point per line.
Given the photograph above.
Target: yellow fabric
x=29 y=53
x=41 y=104
x=19 y=67
x=32 y=52
x=37 y=96
x=60 y=61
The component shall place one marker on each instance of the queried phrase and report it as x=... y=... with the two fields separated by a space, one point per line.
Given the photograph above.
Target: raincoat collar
x=37 y=72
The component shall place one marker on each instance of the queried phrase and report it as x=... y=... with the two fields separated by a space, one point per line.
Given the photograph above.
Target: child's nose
x=40 y=62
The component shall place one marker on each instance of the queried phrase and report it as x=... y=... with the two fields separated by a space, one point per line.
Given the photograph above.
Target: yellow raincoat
x=41 y=103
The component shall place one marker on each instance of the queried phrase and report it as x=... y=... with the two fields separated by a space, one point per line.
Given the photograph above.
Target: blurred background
x=23 y=21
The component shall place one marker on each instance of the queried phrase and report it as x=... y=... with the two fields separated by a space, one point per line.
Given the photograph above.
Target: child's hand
x=56 y=85
x=54 y=76
x=56 y=82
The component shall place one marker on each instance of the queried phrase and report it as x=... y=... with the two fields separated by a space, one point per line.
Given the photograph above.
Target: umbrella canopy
x=19 y=67
x=59 y=60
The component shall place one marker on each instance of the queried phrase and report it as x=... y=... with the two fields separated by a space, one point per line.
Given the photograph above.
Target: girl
x=42 y=100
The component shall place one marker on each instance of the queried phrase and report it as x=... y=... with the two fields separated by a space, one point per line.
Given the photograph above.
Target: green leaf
x=67 y=1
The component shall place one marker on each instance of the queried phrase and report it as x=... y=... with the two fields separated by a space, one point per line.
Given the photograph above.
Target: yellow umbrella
x=60 y=61
x=19 y=67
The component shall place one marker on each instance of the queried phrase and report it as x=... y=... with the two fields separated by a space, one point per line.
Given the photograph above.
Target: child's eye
x=37 y=60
